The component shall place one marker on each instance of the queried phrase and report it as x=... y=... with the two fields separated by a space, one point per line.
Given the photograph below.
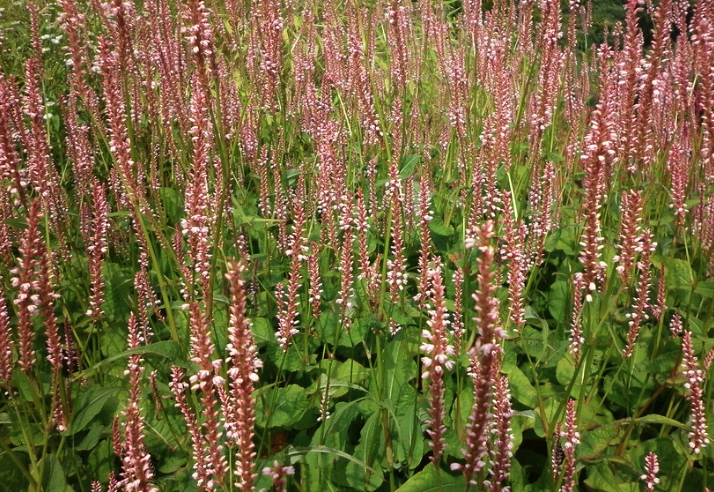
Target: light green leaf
x=262 y=331
x=521 y=387
x=296 y=454
x=431 y=479
x=167 y=349
x=437 y=226
x=659 y=420
x=408 y=164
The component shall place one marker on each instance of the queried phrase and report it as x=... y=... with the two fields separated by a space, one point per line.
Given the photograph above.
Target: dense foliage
x=372 y=245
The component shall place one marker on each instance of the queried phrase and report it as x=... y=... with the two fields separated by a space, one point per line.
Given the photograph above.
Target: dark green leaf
x=54 y=480
x=281 y=407
x=88 y=406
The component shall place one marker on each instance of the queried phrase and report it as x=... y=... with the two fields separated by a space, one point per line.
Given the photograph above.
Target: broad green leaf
x=550 y=408
x=281 y=407
x=336 y=430
x=563 y=240
x=173 y=462
x=292 y=360
x=559 y=300
x=173 y=204
x=400 y=369
x=167 y=349
x=410 y=445
x=672 y=460
x=54 y=479
x=12 y=477
x=431 y=479
x=88 y=406
x=370 y=450
x=437 y=226
x=262 y=331
x=92 y=437
x=118 y=289
x=351 y=371
x=408 y=164
x=296 y=454
x=535 y=342
x=679 y=278
x=601 y=478
x=705 y=289
x=101 y=460
x=521 y=387
x=595 y=441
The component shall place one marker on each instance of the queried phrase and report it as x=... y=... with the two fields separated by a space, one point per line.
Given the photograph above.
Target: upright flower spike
x=698 y=437
x=6 y=343
x=25 y=279
x=438 y=360
x=571 y=438
x=502 y=450
x=485 y=355
x=643 y=286
x=630 y=239
x=95 y=228
x=178 y=388
x=279 y=474
x=243 y=369
x=650 y=475
x=138 y=472
x=206 y=383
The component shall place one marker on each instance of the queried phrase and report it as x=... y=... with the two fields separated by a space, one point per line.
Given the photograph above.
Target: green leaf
x=431 y=479
x=437 y=226
x=369 y=450
x=559 y=300
x=660 y=420
x=117 y=289
x=262 y=331
x=54 y=480
x=409 y=444
x=295 y=454
x=91 y=438
x=337 y=427
x=521 y=387
x=400 y=369
x=350 y=371
x=563 y=240
x=601 y=478
x=679 y=278
x=292 y=360
x=167 y=349
x=408 y=164
x=281 y=407
x=595 y=441
x=88 y=406
x=12 y=477
x=173 y=204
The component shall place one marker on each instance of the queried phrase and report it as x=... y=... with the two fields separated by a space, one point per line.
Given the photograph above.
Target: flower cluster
x=698 y=437
x=438 y=360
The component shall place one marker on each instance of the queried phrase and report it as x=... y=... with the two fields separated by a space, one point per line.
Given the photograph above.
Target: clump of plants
x=369 y=246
